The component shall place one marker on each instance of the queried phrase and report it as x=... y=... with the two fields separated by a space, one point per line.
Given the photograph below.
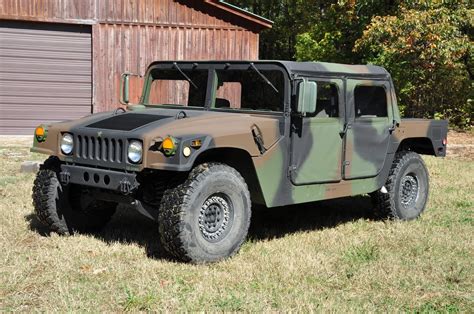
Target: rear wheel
x=206 y=217
x=67 y=209
x=407 y=188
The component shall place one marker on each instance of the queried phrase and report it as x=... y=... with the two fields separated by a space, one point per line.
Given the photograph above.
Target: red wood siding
x=61 y=11
x=162 y=12
x=120 y=48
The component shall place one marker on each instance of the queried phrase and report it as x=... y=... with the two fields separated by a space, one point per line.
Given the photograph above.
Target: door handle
x=393 y=127
x=344 y=131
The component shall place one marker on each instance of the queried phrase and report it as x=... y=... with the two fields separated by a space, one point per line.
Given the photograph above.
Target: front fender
x=155 y=159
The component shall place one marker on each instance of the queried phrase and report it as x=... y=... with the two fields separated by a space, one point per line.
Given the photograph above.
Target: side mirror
x=125 y=89
x=307 y=96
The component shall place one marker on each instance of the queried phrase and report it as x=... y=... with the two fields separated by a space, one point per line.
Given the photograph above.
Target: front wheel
x=66 y=209
x=407 y=188
x=206 y=217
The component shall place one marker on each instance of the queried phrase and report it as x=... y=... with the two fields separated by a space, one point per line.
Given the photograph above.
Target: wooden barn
x=62 y=59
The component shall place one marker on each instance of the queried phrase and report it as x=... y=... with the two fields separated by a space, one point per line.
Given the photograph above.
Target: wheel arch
x=240 y=160
x=420 y=145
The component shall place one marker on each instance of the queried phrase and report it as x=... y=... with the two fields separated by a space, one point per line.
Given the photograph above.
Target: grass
x=313 y=257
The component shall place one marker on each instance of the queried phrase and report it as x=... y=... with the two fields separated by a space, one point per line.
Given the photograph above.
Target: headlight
x=67 y=144
x=135 y=151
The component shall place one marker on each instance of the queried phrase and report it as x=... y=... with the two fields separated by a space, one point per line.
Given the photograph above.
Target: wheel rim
x=409 y=190
x=216 y=217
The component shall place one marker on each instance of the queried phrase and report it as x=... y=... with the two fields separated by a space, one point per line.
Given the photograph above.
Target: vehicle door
x=368 y=129
x=316 y=147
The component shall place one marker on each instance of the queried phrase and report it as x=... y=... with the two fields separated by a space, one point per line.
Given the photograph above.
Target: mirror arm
x=124 y=88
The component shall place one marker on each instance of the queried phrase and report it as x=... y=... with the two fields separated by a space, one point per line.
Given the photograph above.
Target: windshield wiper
x=175 y=65
x=253 y=67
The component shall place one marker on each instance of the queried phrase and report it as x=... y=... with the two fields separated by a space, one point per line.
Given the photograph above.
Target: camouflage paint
x=318 y=160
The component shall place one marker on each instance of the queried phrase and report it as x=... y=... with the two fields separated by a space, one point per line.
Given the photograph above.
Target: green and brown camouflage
x=286 y=156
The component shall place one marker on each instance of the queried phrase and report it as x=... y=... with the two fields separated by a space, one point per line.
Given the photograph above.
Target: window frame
x=339 y=82
x=145 y=98
x=371 y=118
x=240 y=110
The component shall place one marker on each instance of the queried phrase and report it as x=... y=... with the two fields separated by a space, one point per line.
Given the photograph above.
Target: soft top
x=295 y=67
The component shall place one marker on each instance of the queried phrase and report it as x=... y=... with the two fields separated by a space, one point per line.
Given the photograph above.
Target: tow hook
x=125 y=187
x=65 y=177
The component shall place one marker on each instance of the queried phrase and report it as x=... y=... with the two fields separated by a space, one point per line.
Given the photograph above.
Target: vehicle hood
x=223 y=129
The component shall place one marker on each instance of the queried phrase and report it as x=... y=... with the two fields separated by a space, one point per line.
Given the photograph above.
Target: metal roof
x=252 y=17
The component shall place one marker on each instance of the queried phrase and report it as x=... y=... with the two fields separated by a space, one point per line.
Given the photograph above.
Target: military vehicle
x=209 y=139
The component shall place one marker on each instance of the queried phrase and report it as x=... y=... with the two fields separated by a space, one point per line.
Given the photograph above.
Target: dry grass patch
x=323 y=256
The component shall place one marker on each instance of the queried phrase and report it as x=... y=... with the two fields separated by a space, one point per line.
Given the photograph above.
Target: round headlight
x=135 y=151
x=67 y=144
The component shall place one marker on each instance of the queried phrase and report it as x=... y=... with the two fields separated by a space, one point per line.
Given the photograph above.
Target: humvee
x=208 y=139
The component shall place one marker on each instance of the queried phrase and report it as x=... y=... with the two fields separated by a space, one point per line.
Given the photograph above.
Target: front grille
x=90 y=148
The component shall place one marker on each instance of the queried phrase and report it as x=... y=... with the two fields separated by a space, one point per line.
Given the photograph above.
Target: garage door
x=45 y=74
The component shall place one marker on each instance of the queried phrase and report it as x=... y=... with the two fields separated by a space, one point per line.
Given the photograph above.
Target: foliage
x=426 y=45
x=429 y=54
x=290 y=17
x=332 y=34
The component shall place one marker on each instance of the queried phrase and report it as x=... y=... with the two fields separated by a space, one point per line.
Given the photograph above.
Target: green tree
x=334 y=31
x=291 y=17
x=429 y=53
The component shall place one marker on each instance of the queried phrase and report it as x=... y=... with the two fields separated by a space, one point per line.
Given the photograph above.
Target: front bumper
x=118 y=181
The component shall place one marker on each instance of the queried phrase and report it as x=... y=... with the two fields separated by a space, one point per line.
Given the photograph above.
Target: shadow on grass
x=128 y=226
x=271 y=223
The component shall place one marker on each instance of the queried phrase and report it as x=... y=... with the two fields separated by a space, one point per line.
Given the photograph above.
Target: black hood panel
x=126 y=122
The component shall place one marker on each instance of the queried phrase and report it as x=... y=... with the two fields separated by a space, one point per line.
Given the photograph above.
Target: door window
x=327 y=101
x=370 y=101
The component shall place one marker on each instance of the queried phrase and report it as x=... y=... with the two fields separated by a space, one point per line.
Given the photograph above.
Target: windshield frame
x=211 y=87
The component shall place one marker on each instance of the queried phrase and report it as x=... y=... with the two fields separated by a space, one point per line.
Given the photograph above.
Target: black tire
x=61 y=208
x=407 y=189
x=206 y=217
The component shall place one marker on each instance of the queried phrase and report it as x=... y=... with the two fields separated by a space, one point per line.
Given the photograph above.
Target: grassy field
x=322 y=256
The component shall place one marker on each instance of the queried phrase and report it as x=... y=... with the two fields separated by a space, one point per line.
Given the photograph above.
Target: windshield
x=250 y=90
x=179 y=88
x=242 y=87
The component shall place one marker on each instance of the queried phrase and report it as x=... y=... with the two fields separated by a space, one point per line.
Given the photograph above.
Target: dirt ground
x=461 y=145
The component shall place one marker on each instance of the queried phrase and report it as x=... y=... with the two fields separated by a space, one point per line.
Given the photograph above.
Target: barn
x=62 y=59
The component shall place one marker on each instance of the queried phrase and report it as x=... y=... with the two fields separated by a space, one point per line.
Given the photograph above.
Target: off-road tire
x=186 y=223
x=407 y=175
x=58 y=207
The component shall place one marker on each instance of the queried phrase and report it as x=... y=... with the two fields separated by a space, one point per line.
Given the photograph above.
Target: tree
x=429 y=53
x=336 y=28
x=290 y=19
x=427 y=46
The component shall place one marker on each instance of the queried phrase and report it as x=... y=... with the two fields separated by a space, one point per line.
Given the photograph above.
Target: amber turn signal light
x=40 y=133
x=169 y=146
